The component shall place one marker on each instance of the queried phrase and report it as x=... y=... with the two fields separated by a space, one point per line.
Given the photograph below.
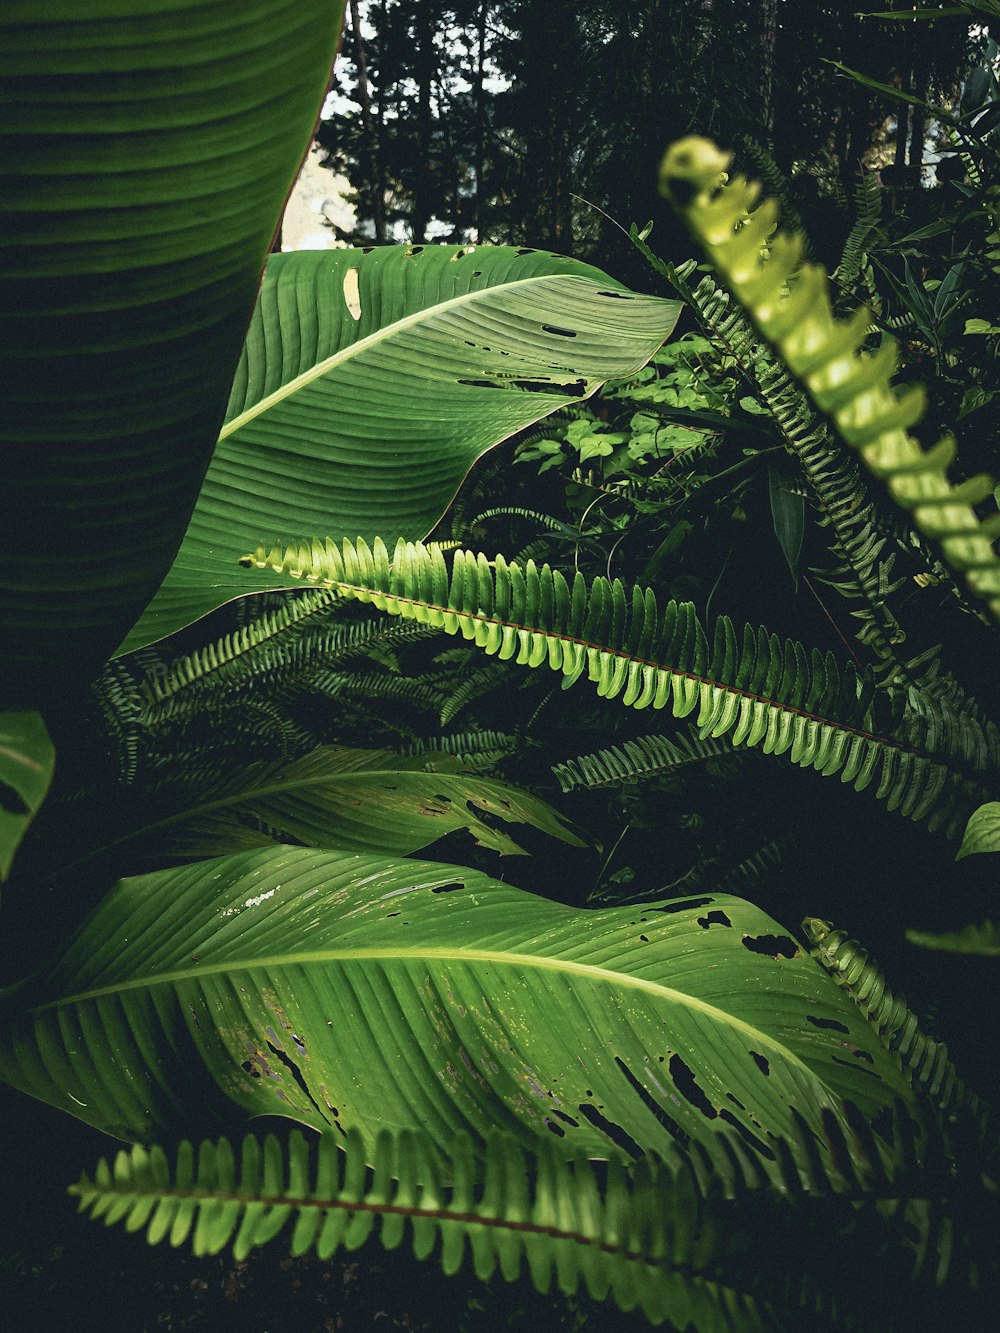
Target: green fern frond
x=926 y=1060
x=215 y=657
x=775 y=180
x=867 y=216
x=758 y=691
x=643 y=757
x=567 y=1226
x=845 y=510
x=667 y=1236
x=788 y=302
x=472 y=685
x=282 y=651
x=478 y=748
x=414 y=691
x=983 y=939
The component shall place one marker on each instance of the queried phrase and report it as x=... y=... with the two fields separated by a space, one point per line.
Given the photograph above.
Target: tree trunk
x=376 y=198
x=424 y=71
x=480 y=96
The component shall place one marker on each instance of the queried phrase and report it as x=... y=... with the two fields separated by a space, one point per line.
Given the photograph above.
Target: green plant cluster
x=251 y=862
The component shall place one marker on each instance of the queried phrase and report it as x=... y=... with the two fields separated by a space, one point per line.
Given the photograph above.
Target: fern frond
x=777 y=184
x=478 y=748
x=215 y=657
x=665 y=1235
x=410 y=690
x=284 y=649
x=758 y=691
x=643 y=757
x=926 y=1060
x=867 y=216
x=788 y=302
x=845 y=509
x=472 y=685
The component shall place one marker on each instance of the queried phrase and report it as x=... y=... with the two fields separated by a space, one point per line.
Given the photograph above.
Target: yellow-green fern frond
x=755 y=689
x=788 y=302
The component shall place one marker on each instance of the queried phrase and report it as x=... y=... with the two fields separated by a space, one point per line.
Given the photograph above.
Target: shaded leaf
x=147 y=153
x=27 y=760
x=982 y=833
x=984 y=939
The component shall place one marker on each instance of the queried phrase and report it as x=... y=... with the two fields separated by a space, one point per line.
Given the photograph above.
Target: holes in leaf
x=617 y=296
x=621 y=1137
x=525 y=250
x=352 y=293
x=447 y=888
x=830 y=1023
x=714 y=919
x=652 y=1105
x=683 y=905
x=571 y=388
x=762 y=1063
x=568 y=1118
x=415 y=250
x=858 y=1069
x=687 y=1085
x=773 y=946
x=757 y=1144
x=556 y=1129
x=554 y=328
x=11 y=801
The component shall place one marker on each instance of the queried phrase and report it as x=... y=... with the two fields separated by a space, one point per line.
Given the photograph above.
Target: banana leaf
x=348 y=990
x=147 y=151
x=370 y=383
x=343 y=799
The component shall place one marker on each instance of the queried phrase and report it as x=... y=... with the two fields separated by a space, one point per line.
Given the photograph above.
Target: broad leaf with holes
x=352 y=990
x=370 y=383
x=147 y=152
x=343 y=799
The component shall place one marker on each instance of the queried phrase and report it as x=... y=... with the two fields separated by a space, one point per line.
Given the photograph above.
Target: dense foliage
x=741 y=644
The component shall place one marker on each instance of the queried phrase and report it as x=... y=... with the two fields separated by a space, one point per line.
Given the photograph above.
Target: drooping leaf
x=351 y=990
x=27 y=760
x=348 y=800
x=982 y=939
x=147 y=151
x=370 y=383
x=788 y=513
x=982 y=833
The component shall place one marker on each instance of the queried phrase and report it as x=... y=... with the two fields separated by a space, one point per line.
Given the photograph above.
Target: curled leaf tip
x=691 y=166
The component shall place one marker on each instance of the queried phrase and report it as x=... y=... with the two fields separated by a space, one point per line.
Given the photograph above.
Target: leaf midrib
x=322 y=368
x=421 y=953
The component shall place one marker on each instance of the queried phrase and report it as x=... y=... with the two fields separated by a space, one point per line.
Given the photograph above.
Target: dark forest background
x=516 y=122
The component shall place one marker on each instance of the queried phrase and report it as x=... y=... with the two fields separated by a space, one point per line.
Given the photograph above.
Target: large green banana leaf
x=352 y=990
x=27 y=761
x=147 y=150
x=348 y=800
x=370 y=383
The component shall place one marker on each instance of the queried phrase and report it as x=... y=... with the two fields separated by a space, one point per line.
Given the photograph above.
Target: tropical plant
x=616 y=1097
